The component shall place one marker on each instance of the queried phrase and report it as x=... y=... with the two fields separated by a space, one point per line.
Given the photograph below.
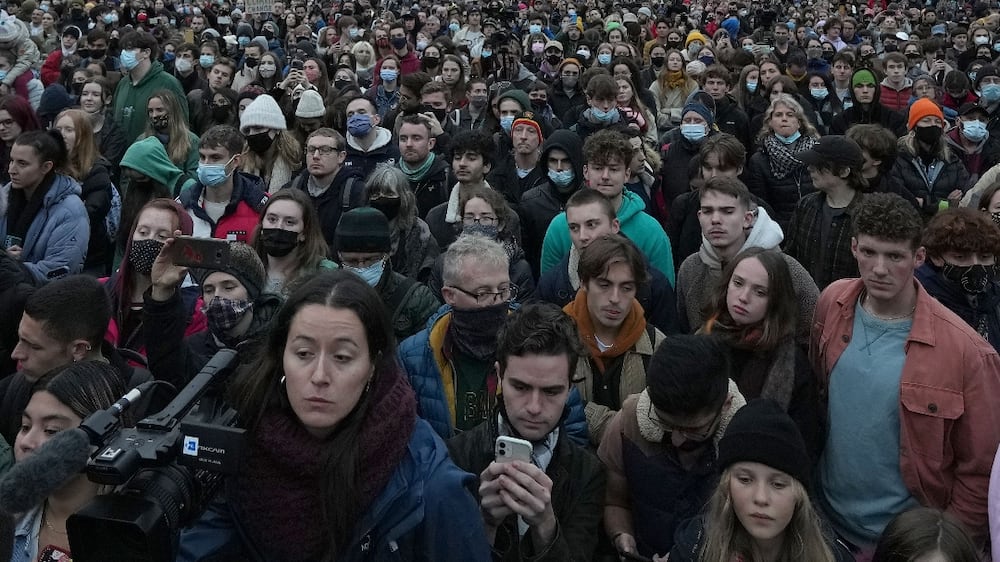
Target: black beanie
x=762 y=432
x=364 y=229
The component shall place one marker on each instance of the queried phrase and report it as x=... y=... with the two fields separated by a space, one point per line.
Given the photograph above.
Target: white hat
x=262 y=112
x=646 y=12
x=310 y=105
x=902 y=36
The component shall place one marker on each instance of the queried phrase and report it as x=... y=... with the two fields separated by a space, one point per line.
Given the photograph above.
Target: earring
x=281 y=382
x=368 y=385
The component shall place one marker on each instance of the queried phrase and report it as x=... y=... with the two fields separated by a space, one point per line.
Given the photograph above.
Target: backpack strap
x=345 y=202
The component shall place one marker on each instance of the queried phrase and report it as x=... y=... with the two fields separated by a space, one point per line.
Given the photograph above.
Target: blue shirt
x=859 y=472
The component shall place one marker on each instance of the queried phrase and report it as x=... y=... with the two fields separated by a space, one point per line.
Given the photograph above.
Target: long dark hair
x=258 y=390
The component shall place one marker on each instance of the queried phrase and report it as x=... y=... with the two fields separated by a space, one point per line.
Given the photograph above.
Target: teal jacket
x=130 y=100
x=637 y=225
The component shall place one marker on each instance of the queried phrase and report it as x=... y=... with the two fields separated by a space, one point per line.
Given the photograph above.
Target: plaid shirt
x=826 y=260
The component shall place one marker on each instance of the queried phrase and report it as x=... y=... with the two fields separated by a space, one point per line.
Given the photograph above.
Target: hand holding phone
x=510 y=449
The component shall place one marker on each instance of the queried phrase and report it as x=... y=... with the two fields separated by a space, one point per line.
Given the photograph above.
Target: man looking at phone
x=546 y=506
x=224 y=203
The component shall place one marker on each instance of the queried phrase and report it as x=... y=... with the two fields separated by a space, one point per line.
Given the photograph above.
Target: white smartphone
x=510 y=449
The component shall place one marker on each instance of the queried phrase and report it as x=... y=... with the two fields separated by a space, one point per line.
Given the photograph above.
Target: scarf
x=766 y=373
x=418 y=173
x=22 y=211
x=675 y=79
x=630 y=331
x=781 y=156
x=278 y=488
x=473 y=331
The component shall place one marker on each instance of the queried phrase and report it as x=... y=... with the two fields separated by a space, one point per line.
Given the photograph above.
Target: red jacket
x=896 y=100
x=949 y=426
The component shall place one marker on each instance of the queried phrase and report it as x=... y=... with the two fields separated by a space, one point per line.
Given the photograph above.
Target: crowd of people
x=729 y=268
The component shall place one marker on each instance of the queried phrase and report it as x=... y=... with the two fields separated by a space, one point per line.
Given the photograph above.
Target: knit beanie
x=921 y=108
x=363 y=229
x=863 y=76
x=983 y=72
x=700 y=109
x=310 y=105
x=528 y=118
x=518 y=95
x=762 y=432
x=695 y=35
x=10 y=29
x=263 y=111
x=244 y=264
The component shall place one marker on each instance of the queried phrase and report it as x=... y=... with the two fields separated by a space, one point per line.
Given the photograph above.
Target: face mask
x=561 y=178
x=506 y=122
x=3 y=74
x=790 y=138
x=751 y=87
x=268 y=34
x=389 y=206
x=182 y=65
x=602 y=116
x=168 y=57
x=341 y=84
x=537 y=48
x=359 y=124
x=534 y=28
x=477 y=101
x=398 y=42
x=693 y=132
x=604 y=58
x=243 y=41
x=220 y=113
x=695 y=48
x=211 y=175
x=975 y=130
x=973 y=279
x=143 y=253
x=991 y=92
x=97 y=53
x=996 y=218
x=251 y=62
x=278 y=242
x=431 y=62
x=489 y=231
x=311 y=75
x=996 y=46
x=928 y=135
x=748 y=48
x=570 y=81
x=421 y=45
x=439 y=114
x=388 y=75
x=206 y=61
x=487 y=53
x=223 y=314
x=453 y=27
x=819 y=93
x=160 y=123
x=129 y=59
x=383 y=43
x=354 y=32
x=814 y=52
x=972 y=77
x=657 y=61
x=583 y=54
x=260 y=142
x=553 y=60
x=371 y=274
x=674 y=44
x=707 y=61
x=267 y=69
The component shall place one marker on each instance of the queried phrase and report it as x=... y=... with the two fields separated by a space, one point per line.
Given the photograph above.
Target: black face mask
x=891 y=48
x=220 y=113
x=341 y=84
x=251 y=62
x=431 y=62
x=657 y=61
x=389 y=206
x=674 y=44
x=260 y=142
x=278 y=242
x=398 y=42
x=268 y=34
x=473 y=331
x=98 y=53
x=928 y=135
x=554 y=60
x=973 y=279
x=439 y=113
x=142 y=254
x=160 y=123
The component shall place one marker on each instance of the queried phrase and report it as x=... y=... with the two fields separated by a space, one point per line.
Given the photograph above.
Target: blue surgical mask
x=167 y=57
x=561 y=178
x=487 y=53
x=751 y=86
x=359 y=124
x=991 y=92
x=388 y=74
x=693 y=132
x=129 y=59
x=3 y=74
x=206 y=61
x=603 y=116
x=534 y=28
x=819 y=93
x=974 y=130
x=243 y=41
x=506 y=122
x=354 y=32
x=211 y=175
x=453 y=27
x=604 y=58
x=109 y=18
x=371 y=274
x=790 y=138
x=748 y=48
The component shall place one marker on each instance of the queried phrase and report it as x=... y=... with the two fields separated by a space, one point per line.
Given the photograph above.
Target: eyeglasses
x=361 y=263
x=701 y=433
x=469 y=220
x=322 y=150
x=505 y=294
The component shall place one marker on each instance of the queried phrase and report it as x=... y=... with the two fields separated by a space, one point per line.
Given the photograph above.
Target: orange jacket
x=949 y=427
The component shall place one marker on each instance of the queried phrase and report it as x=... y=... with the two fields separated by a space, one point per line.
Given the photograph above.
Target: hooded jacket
x=542 y=203
x=57 y=239
x=383 y=150
x=149 y=156
x=873 y=113
x=637 y=225
x=130 y=99
x=241 y=215
x=700 y=273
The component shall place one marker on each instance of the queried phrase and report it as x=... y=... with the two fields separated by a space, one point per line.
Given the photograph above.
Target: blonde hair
x=805 y=126
x=725 y=538
x=364 y=53
x=285 y=146
x=179 y=145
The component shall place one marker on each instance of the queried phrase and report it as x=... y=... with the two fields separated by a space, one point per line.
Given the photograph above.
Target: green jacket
x=130 y=99
x=409 y=302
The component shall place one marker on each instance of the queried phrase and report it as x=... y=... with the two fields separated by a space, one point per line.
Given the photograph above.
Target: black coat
x=781 y=194
x=561 y=103
x=96 y=194
x=330 y=204
x=906 y=175
x=433 y=188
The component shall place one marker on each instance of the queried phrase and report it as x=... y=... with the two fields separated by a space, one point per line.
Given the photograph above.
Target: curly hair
x=961 y=230
x=607 y=146
x=889 y=217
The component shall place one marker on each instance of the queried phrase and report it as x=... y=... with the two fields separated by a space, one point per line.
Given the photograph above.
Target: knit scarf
x=781 y=155
x=675 y=79
x=277 y=492
x=418 y=173
x=630 y=331
x=767 y=373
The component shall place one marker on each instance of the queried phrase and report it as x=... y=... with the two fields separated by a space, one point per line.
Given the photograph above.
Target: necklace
x=45 y=519
x=864 y=305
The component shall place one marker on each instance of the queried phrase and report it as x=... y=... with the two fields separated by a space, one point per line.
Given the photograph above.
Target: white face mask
x=267 y=69
x=182 y=65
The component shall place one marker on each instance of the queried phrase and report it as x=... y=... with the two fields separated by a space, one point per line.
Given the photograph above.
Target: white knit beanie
x=263 y=111
x=310 y=105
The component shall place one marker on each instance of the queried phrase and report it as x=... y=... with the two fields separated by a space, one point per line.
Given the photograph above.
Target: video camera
x=169 y=466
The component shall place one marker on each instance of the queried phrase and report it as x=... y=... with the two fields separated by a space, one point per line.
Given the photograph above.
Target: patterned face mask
x=143 y=253
x=223 y=314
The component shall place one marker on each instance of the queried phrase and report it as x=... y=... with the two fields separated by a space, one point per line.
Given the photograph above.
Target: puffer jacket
x=57 y=239
x=433 y=380
x=910 y=174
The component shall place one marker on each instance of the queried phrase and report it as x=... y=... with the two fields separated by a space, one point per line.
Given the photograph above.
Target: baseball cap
x=835 y=149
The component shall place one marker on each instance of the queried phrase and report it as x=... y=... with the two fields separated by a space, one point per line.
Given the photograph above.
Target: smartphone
x=510 y=449
x=189 y=251
x=297 y=65
x=11 y=240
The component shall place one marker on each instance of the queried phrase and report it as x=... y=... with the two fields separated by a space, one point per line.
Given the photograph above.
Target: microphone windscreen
x=31 y=480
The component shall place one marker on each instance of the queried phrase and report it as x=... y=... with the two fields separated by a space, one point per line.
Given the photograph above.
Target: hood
x=570 y=143
x=765 y=234
x=383 y=137
x=854 y=100
x=154 y=71
x=150 y=157
x=907 y=83
x=632 y=205
x=62 y=187
x=523 y=73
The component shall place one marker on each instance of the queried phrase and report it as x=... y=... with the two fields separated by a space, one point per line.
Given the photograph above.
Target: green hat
x=518 y=95
x=864 y=76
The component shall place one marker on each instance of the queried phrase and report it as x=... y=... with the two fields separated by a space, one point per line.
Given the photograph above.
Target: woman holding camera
x=329 y=410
